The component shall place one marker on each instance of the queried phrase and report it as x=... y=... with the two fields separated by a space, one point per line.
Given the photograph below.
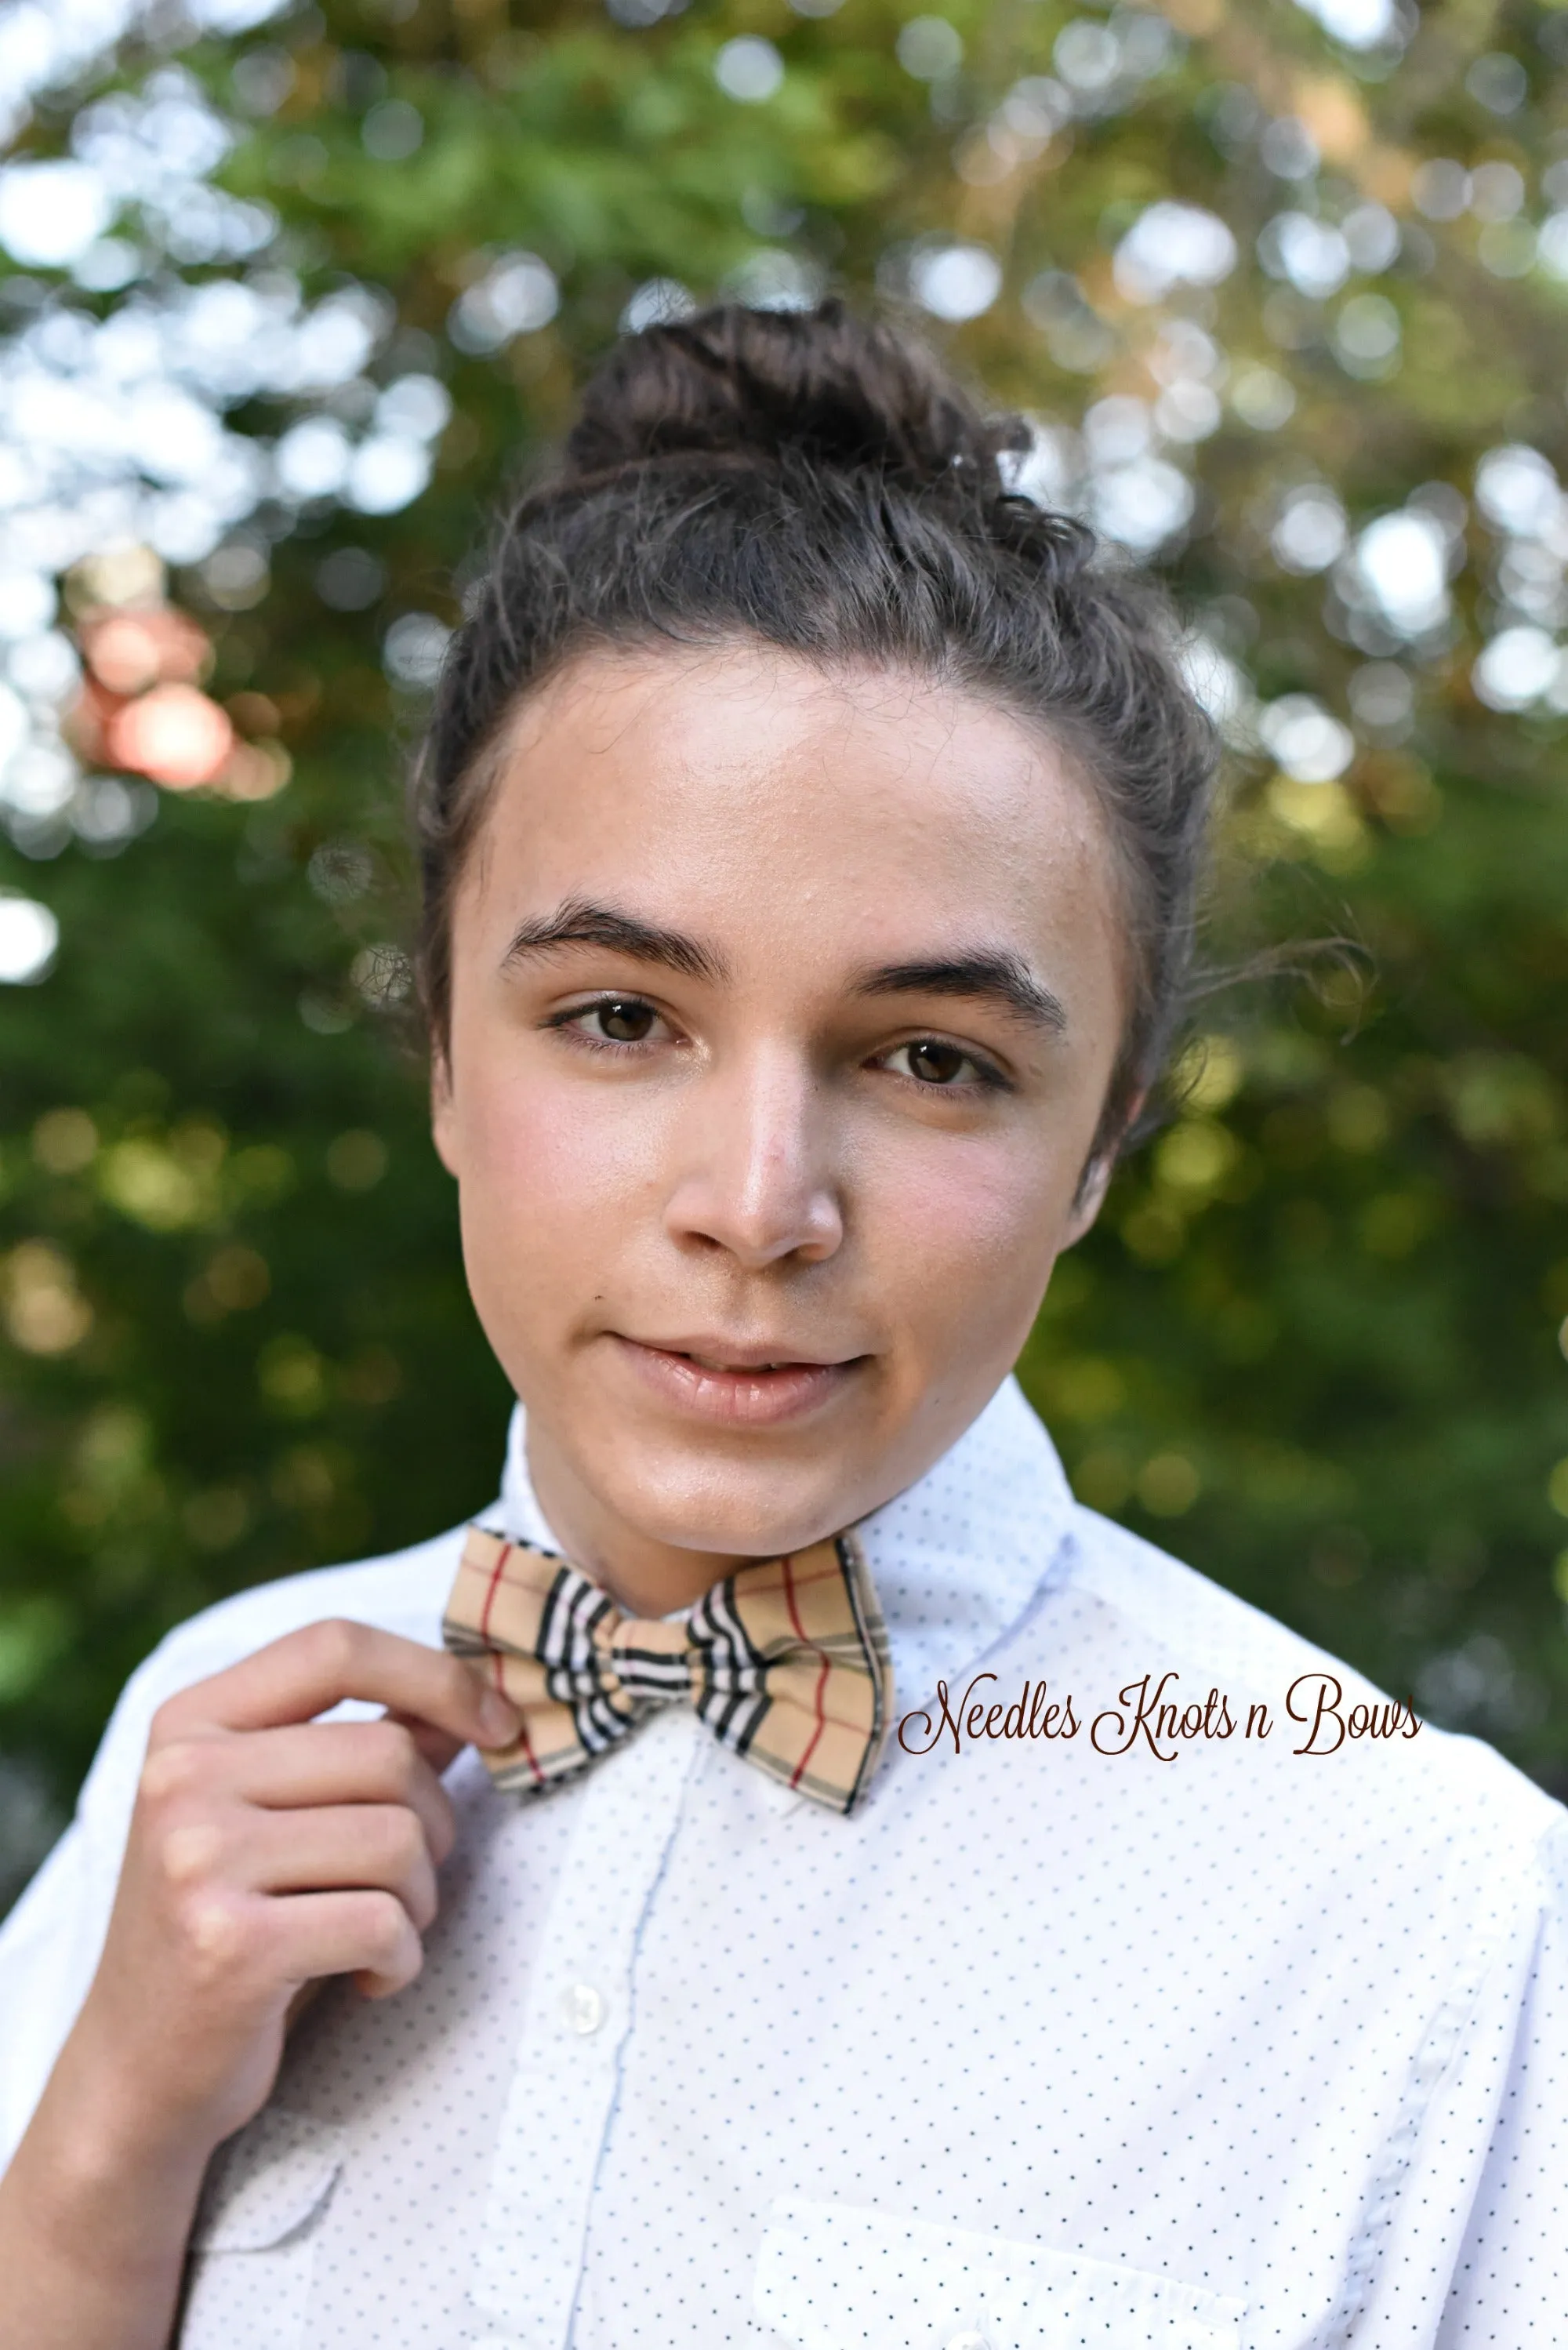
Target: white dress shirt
x=1047 y=2045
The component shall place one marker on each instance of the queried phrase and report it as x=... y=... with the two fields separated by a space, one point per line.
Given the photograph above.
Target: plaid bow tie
x=785 y=1661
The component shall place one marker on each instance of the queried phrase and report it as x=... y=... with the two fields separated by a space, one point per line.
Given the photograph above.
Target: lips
x=718 y=1380
x=718 y=1355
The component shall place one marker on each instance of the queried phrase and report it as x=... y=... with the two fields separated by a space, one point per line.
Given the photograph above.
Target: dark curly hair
x=817 y=481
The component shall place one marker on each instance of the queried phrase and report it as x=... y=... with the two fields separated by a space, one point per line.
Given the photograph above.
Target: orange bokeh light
x=254 y=771
x=174 y=733
x=141 y=706
x=128 y=650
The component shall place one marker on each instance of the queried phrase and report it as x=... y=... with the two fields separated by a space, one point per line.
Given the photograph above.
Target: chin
x=756 y=1515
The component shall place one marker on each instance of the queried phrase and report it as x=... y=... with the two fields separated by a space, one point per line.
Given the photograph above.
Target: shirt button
x=968 y=2340
x=585 y=2008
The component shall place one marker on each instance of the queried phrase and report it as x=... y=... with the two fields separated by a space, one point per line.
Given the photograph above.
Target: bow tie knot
x=785 y=1661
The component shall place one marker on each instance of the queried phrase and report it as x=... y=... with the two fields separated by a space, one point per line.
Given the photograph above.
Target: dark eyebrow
x=576 y=922
x=1004 y=979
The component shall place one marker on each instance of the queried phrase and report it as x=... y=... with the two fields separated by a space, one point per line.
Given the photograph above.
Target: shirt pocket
x=832 y=2277
x=254 y=2245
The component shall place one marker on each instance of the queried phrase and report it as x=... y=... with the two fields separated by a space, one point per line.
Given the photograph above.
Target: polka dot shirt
x=1097 y=2024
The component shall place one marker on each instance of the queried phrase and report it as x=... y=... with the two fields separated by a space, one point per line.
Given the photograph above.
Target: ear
x=1097 y=1177
x=1091 y=1196
x=443 y=1111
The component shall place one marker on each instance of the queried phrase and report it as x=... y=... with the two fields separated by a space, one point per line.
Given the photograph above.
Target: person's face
x=782 y=1012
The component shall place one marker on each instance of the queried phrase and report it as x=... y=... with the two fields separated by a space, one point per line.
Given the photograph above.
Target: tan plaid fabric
x=787 y=1662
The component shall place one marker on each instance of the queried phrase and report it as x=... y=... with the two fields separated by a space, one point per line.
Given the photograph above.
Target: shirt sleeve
x=1510 y=2285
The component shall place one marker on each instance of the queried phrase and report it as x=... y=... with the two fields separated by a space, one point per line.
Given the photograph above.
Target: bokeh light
x=173 y=733
x=29 y=934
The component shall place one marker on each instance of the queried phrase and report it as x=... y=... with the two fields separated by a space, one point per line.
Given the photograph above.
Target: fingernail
x=499 y=1719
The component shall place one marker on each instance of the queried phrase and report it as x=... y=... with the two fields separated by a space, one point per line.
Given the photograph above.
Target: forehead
x=745 y=789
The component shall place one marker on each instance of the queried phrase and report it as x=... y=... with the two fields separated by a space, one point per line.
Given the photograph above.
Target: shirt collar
x=956 y=1558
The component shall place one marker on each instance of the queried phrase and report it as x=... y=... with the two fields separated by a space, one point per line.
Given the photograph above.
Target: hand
x=267 y=1849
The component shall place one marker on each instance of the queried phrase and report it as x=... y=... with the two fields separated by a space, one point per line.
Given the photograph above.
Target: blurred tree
x=293 y=295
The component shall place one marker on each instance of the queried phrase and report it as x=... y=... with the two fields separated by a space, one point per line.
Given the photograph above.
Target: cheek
x=554 y=1175
x=967 y=1235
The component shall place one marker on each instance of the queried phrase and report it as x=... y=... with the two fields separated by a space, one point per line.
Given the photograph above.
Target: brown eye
x=623 y=1020
x=934 y=1063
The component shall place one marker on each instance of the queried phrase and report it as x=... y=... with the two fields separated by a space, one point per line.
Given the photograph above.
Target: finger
x=309 y=1671
x=306 y=1765
x=306 y=1996
x=367 y=1934
x=437 y=1748
x=375 y=1846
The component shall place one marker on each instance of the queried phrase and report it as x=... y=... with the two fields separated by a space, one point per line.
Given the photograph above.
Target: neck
x=643 y=1575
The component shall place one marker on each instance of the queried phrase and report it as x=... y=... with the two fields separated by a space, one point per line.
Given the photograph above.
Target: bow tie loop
x=786 y=1662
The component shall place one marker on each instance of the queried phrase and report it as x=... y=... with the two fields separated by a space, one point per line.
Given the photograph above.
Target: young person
x=888 y=1907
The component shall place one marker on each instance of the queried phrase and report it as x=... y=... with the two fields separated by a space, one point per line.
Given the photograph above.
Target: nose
x=756 y=1175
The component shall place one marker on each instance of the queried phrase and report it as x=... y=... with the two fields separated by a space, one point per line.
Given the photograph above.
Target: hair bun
x=738 y=384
